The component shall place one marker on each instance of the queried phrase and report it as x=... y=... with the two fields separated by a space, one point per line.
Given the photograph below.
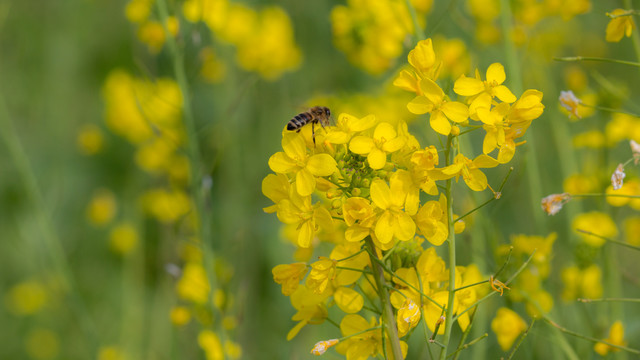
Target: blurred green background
x=53 y=65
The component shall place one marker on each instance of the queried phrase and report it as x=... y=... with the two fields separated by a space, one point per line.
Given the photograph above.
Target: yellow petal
x=356 y=233
x=431 y=91
x=362 y=124
x=406 y=81
x=495 y=73
x=455 y=111
x=406 y=228
x=305 y=182
x=485 y=161
x=477 y=180
x=306 y=234
x=467 y=86
x=384 y=131
x=294 y=145
x=503 y=93
x=348 y=300
x=377 y=158
x=422 y=57
x=380 y=194
x=507 y=150
x=439 y=123
x=281 y=163
x=321 y=165
x=394 y=145
x=385 y=228
x=361 y=145
x=420 y=105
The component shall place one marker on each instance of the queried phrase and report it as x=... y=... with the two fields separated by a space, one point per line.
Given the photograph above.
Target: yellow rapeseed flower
x=102 y=207
x=434 y=102
x=180 y=315
x=289 y=276
x=123 y=238
x=90 y=140
x=595 y=222
x=210 y=343
x=393 y=222
x=42 y=344
x=621 y=25
x=507 y=325
x=306 y=168
x=616 y=337
x=385 y=140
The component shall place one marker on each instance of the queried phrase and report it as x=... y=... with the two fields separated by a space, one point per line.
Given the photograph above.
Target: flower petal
x=439 y=123
x=321 y=165
x=455 y=111
x=294 y=145
x=361 y=145
x=467 y=86
x=406 y=81
x=406 y=228
x=385 y=228
x=420 y=105
x=380 y=194
x=503 y=93
x=305 y=182
x=377 y=159
x=495 y=73
x=281 y=163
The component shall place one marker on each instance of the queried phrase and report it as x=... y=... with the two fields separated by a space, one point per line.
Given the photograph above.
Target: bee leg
x=313 y=133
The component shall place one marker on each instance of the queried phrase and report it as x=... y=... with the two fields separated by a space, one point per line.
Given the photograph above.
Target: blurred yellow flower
x=632 y=230
x=193 y=284
x=102 y=207
x=595 y=222
x=616 y=337
x=138 y=11
x=620 y=25
x=42 y=344
x=586 y=283
x=123 y=238
x=26 y=298
x=289 y=276
x=90 y=140
x=111 y=353
x=593 y=139
x=166 y=205
x=507 y=325
x=212 y=69
x=210 y=343
x=180 y=315
x=580 y=184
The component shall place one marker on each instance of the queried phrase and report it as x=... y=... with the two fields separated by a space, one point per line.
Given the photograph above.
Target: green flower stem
x=464 y=336
x=622 y=243
x=414 y=18
x=198 y=193
x=605 y=195
x=50 y=241
x=478 y=302
x=602 y=108
x=394 y=276
x=448 y=325
x=390 y=320
x=588 y=338
x=360 y=333
x=593 y=58
x=352 y=255
x=497 y=196
x=467 y=345
x=515 y=80
x=635 y=36
x=609 y=299
x=517 y=345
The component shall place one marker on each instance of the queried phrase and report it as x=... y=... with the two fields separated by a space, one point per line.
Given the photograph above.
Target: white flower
x=617 y=177
x=570 y=101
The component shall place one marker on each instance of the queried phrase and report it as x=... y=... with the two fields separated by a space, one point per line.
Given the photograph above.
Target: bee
x=315 y=115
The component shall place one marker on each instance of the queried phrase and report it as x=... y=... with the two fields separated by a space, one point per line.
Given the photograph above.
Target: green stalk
x=452 y=257
x=593 y=58
x=635 y=36
x=193 y=152
x=515 y=79
x=414 y=18
x=383 y=294
x=49 y=241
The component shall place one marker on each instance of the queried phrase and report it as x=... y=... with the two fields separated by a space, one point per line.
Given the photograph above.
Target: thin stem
x=468 y=345
x=593 y=58
x=609 y=299
x=602 y=108
x=589 y=338
x=390 y=320
x=452 y=257
x=517 y=345
x=497 y=196
x=605 y=195
x=622 y=243
x=414 y=18
x=50 y=241
x=464 y=336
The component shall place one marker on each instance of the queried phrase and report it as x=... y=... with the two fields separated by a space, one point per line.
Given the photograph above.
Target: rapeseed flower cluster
x=375 y=195
x=264 y=40
x=372 y=33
